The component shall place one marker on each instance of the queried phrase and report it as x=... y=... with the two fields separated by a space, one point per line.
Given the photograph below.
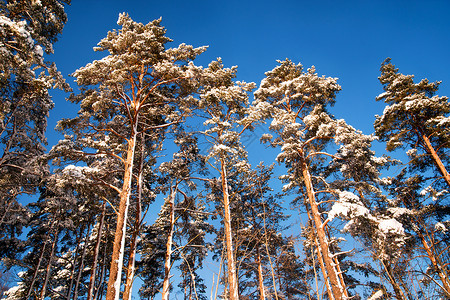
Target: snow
x=11 y=293
x=411 y=152
x=390 y=226
x=426 y=191
x=79 y=172
x=348 y=206
x=21 y=274
x=18 y=27
x=399 y=211
x=382 y=95
x=376 y=296
x=63 y=274
x=440 y=227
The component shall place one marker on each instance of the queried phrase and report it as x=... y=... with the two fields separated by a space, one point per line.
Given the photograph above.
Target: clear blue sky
x=344 y=39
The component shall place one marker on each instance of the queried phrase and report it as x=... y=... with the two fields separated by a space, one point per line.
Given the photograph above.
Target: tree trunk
x=115 y=273
x=341 y=277
x=436 y=265
x=96 y=252
x=80 y=271
x=168 y=255
x=41 y=257
x=99 y=292
x=232 y=276
x=72 y=275
x=137 y=224
x=337 y=288
x=49 y=266
x=262 y=292
x=397 y=289
x=6 y=213
x=436 y=159
x=322 y=267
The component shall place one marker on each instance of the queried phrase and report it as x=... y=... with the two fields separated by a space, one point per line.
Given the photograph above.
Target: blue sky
x=344 y=39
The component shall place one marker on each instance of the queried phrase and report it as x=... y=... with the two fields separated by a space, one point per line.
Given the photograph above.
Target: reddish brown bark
x=115 y=272
x=232 y=276
x=436 y=159
x=137 y=224
x=437 y=265
x=262 y=292
x=332 y=274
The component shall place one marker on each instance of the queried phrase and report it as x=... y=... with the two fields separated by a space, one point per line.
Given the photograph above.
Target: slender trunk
x=320 y=259
x=272 y=271
x=75 y=258
x=397 y=289
x=49 y=266
x=96 y=252
x=405 y=288
x=168 y=255
x=6 y=213
x=41 y=257
x=341 y=277
x=436 y=159
x=322 y=267
x=262 y=292
x=337 y=288
x=232 y=277
x=131 y=261
x=80 y=271
x=137 y=224
x=99 y=291
x=436 y=265
x=115 y=273
x=315 y=273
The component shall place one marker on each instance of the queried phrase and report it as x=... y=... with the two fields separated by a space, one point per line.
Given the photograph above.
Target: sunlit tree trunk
x=436 y=159
x=169 y=243
x=331 y=272
x=33 y=280
x=262 y=292
x=137 y=225
x=115 y=272
x=390 y=274
x=437 y=265
x=232 y=276
x=99 y=291
x=75 y=257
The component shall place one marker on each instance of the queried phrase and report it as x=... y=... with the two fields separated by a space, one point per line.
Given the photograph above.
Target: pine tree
x=51 y=220
x=27 y=31
x=415 y=119
x=297 y=101
x=223 y=103
x=181 y=221
x=139 y=87
x=265 y=257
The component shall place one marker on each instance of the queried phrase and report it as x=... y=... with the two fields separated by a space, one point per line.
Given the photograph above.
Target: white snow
x=411 y=152
x=348 y=206
x=440 y=227
x=376 y=296
x=391 y=226
x=399 y=211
